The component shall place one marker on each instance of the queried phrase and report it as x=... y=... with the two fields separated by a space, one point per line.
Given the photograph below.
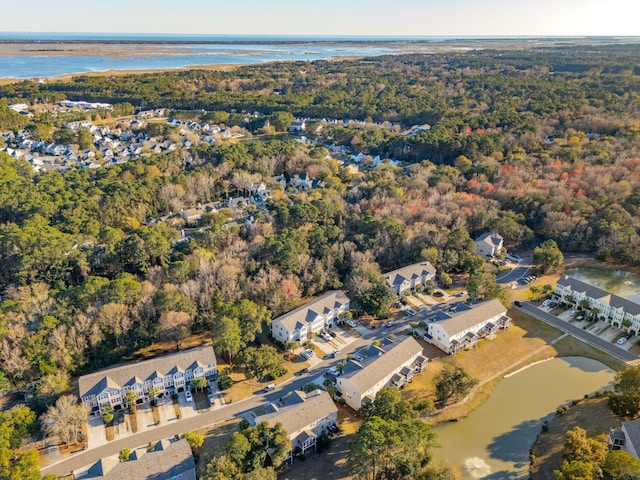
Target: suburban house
x=488 y=244
x=407 y=278
x=611 y=308
x=166 y=459
x=169 y=374
x=192 y=215
x=311 y=317
x=627 y=438
x=374 y=367
x=461 y=328
x=298 y=126
x=304 y=416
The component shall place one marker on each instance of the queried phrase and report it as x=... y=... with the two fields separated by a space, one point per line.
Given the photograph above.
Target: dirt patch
x=110 y=432
x=133 y=421
x=156 y=414
x=176 y=408
x=592 y=414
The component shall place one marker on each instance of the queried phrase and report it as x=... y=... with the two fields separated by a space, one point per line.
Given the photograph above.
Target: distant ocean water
x=155 y=52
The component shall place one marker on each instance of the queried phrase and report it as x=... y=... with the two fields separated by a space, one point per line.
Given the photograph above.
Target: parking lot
x=580 y=319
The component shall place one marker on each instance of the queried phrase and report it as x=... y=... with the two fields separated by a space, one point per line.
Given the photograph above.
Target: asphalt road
x=579 y=333
x=229 y=411
x=513 y=275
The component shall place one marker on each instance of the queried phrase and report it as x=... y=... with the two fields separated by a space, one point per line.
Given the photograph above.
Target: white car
x=187 y=396
x=351 y=323
x=622 y=340
x=270 y=387
x=308 y=353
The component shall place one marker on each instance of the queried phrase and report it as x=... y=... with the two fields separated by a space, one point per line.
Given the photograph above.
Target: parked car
x=301 y=372
x=333 y=334
x=573 y=312
x=269 y=387
x=622 y=340
x=438 y=293
x=517 y=303
x=187 y=396
x=462 y=294
x=308 y=353
x=334 y=371
x=351 y=323
x=390 y=324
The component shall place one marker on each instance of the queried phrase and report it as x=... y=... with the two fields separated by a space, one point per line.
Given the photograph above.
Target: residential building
x=163 y=460
x=627 y=438
x=408 y=278
x=611 y=308
x=169 y=374
x=309 y=318
x=452 y=331
x=298 y=126
x=304 y=416
x=374 y=367
x=489 y=244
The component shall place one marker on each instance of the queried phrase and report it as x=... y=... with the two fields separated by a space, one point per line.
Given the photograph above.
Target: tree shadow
x=514 y=445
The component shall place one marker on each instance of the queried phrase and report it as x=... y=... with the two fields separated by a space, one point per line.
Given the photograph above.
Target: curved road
x=579 y=333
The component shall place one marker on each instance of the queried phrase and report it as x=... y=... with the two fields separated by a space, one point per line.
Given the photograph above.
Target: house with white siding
x=304 y=416
x=627 y=438
x=312 y=317
x=393 y=362
x=169 y=374
x=452 y=331
x=408 y=278
x=611 y=308
x=489 y=244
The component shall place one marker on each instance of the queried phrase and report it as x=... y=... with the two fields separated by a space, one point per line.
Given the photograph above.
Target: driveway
x=579 y=333
x=513 y=275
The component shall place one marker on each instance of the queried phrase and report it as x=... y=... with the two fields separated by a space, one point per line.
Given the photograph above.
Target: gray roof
x=397 y=277
x=307 y=312
x=166 y=461
x=599 y=294
x=300 y=410
x=366 y=377
x=633 y=432
x=490 y=238
x=460 y=321
x=117 y=377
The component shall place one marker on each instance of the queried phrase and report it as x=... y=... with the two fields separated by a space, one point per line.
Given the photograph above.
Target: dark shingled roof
x=117 y=377
x=599 y=294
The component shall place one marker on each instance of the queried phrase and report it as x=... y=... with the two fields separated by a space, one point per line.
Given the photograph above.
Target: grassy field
x=524 y=342
x=215 y=438
x=592 y=414
x=570 y=346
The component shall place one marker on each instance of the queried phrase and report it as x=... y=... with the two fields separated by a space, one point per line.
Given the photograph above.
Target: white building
x=169 y=374
x=627 y=438
x=311 y=317
x=392 y=363
x=407 y=278
x=304 y=416
x=488 y=244
x=612 y=308
x=453 y=331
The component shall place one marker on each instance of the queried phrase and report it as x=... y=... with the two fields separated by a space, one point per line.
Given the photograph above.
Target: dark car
x=517 y=303
x=301 y=372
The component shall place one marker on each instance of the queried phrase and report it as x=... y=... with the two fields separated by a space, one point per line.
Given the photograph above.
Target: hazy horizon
x=408 y=18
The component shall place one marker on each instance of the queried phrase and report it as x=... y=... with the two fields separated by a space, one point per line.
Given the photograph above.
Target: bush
x=174 y=396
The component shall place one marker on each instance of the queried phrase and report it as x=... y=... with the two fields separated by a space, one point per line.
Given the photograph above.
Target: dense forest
x=535 y=144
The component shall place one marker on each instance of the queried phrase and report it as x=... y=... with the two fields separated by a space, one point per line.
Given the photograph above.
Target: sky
x=328 y=17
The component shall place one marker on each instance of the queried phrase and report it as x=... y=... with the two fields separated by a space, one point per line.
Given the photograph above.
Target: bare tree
x=174 y=327
x=115 y=319
x=65 y=419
